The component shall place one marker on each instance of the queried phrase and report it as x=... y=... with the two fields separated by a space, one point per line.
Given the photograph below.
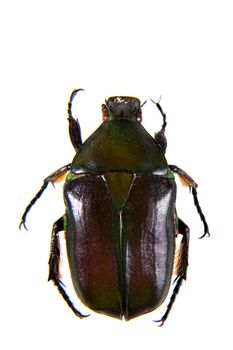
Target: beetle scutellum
x=120 y=221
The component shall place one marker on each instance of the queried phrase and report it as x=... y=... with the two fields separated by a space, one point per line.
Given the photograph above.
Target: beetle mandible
x=120 y=221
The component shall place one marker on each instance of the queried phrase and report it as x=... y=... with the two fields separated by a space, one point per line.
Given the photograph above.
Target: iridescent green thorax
x=120 y=145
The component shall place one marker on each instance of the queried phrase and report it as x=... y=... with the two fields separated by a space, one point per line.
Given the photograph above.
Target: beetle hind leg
x=54 y=262
x=181 y=267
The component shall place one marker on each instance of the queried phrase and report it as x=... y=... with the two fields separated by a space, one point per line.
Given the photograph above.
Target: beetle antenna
x=106 y=105
x=162 y=112
x=143 y=104
x=72 y=96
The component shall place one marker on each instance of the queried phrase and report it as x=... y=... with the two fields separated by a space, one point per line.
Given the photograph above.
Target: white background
x=181 y=50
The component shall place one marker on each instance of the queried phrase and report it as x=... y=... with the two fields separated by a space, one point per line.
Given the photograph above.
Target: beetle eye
x=104 y=112
x=139 y=116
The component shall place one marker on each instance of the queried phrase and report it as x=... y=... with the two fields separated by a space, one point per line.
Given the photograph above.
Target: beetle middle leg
x=189 y=182
x=56 y=176
x=54 y=262
x=181 y=266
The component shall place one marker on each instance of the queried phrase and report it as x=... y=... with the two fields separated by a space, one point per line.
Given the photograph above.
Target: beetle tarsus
x=60 y=288
x=171 y=302
x=193 y=187
x=160 y=135
x=181 y=267
x=202 y=216
x=54 y=262
x=49 y=179
x=28 y=208
x=162 y=112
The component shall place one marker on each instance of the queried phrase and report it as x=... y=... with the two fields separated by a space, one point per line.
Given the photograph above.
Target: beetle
x=120 y=219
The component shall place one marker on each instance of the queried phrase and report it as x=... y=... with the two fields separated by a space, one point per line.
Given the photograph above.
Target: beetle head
x=122 y=107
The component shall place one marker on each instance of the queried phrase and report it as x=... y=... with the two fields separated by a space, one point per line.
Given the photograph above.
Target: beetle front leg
x=56 y=176
x=160 y=135
x=54 y=263
x=74 y=127
x=186 y=180
x=181 y=267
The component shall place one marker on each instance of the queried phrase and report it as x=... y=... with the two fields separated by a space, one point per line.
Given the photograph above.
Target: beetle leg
x=181 y=267
x=188 y=181
x=184 y=177
x=54 y=177
x=160 y=136
x=161 y=139
x=54 y=261
x=74 y=127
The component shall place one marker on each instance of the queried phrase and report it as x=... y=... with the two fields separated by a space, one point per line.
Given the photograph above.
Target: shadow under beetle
x=120 y=222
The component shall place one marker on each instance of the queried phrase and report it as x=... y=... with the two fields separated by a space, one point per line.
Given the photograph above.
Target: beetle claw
x=24 y=225
x=205 y=234
x=74 y=93
x=79 y=314
x=159 y=321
